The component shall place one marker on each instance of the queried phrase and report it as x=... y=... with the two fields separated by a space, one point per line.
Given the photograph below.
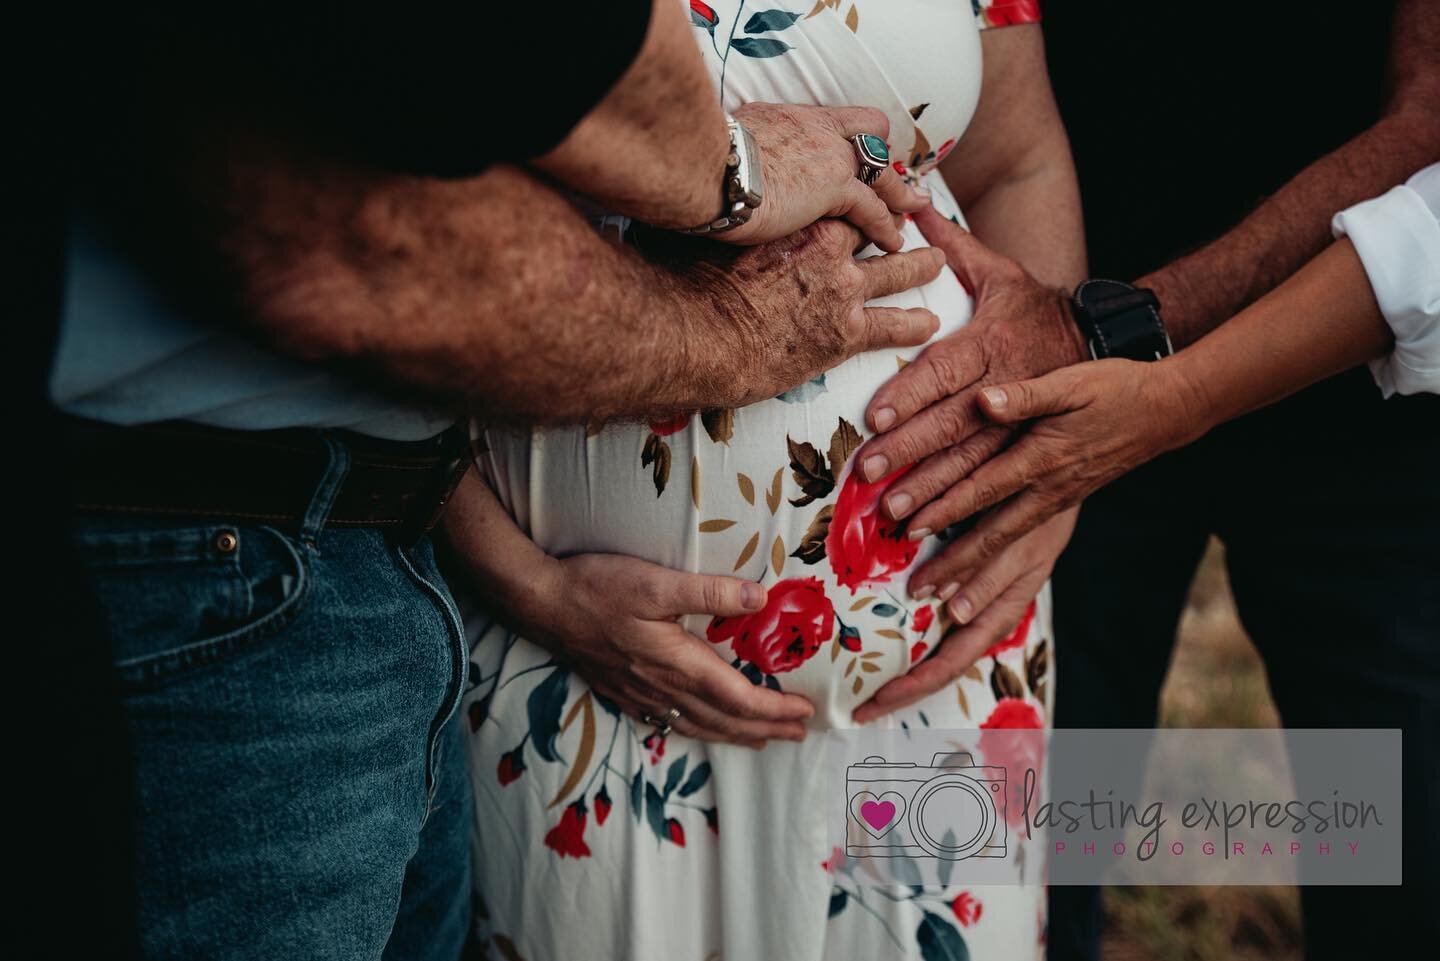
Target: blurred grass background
x=1215 y=680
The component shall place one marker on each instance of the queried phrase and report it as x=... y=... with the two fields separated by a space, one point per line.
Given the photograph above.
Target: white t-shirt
x=1397 y=236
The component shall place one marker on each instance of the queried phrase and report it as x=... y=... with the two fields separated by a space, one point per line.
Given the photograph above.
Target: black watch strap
x=1120 y=321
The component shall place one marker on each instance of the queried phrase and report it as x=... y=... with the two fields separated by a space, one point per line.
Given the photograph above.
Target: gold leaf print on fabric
x=719 y=424
x=863 y=602
x=810 y=472
x=772 y=496
x=960 y=697
x=821 y=5
x=583 y=753
x=1036 y=665
x=1005 y=683
x=747 y=488
x=852 y=19
x=748 y=551
x=716 y=525
x=777 y=555
x=657 y=452
x=844 y=442
x=695 y=481
x=812 y=545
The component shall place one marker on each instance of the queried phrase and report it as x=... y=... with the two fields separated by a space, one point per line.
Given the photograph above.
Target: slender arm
x=1012 y=172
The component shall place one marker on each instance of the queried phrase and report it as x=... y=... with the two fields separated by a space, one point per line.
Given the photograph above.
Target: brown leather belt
x=183 y=469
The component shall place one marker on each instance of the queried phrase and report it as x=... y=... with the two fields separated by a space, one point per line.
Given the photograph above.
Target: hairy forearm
x=493 y=292
x=1203 y=289
x=1318 y=323
x=655 y=147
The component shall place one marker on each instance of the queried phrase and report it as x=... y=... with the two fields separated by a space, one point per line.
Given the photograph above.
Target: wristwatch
x=743 y=187
x=1119 y=320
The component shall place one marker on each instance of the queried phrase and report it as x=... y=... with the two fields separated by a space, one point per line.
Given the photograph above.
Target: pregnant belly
x=768 y=492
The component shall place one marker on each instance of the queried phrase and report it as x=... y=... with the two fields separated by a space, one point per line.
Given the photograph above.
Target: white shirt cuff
x=1397 y=236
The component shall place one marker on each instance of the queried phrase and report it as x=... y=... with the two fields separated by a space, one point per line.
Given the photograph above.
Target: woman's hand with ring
x=613 y=619
x=812 y=171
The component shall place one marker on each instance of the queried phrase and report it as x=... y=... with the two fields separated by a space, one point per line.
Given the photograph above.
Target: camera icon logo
x=952 y=810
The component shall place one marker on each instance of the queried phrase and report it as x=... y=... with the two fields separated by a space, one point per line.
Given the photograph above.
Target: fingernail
x=948 y=591
x=919 y=533
x=876 y=467
x=752 y=596
x=996 y=397
x=899 y=505
x=920 y=593
x=962 y=610
x=884 y=417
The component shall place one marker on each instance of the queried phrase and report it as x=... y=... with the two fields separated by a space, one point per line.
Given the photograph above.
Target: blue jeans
x=291 y=696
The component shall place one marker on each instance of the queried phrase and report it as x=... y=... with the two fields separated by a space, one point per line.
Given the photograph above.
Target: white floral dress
x=595 y=839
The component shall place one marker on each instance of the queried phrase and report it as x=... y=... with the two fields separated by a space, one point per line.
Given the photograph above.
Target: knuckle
x=715 y=594
x=992 y=543
x=651 y=594
x=675 y=681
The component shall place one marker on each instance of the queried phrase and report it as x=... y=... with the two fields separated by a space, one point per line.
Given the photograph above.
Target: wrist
x=1194 y=396
x=1072 y=345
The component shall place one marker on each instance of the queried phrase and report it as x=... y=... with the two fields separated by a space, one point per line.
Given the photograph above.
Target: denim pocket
x=177 y=599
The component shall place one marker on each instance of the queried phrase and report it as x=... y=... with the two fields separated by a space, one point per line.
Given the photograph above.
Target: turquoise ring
x=874 y=157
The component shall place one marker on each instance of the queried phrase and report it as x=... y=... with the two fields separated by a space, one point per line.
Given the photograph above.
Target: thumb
x=713 y=594
x=971 y=260
x=1027 y=399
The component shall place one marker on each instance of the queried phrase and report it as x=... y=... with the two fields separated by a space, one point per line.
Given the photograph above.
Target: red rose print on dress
x=796 y=620
x=702 y=15
x=1017 y=636
x=671 y=425
x=967 y=909
x=655 y=743
x=923 y=619
x=1001 y=743
x=603 y=804
x=512 y=765
x=568 y=837
x=1009 y=13
x=866 y=549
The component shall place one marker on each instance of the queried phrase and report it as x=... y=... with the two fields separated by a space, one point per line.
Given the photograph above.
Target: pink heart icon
x=878 y=813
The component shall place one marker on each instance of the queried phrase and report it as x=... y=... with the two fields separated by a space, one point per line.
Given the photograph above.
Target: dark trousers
x=1329 y=509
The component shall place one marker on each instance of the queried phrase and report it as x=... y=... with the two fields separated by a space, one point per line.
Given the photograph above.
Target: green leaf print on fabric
x=939 y=940
x=696 y=780
x=771 y=20
x=759 y=47
x=544 y=705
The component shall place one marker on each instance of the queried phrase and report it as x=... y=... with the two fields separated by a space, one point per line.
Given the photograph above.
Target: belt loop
x=336 y=467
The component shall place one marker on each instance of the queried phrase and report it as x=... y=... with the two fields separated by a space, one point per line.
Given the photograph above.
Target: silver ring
x=662 y=724
x=874 y=157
